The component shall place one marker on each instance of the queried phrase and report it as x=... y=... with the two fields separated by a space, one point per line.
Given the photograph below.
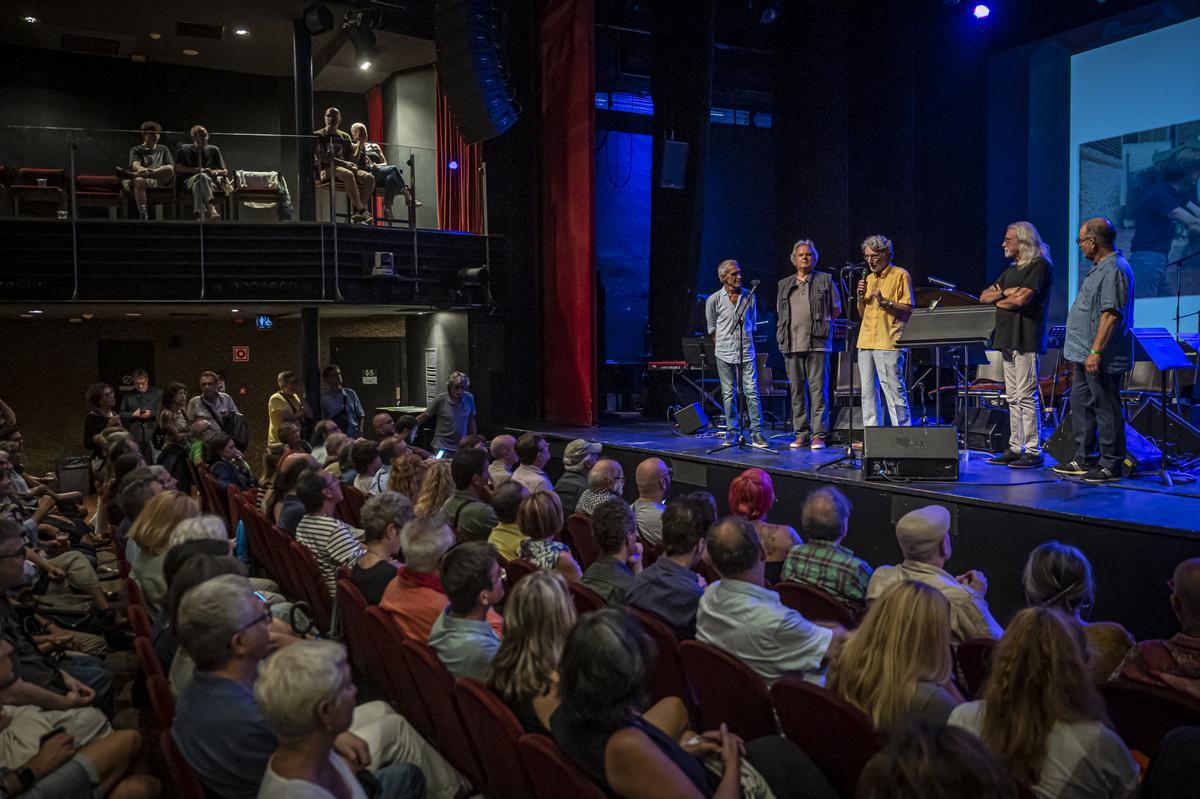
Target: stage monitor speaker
x=987 y=429
x=1184 y=439
x=471 y=68
x=673 y=174
x=1140 y=452
x=910 y=453
x=840 y=434
x=690 y=419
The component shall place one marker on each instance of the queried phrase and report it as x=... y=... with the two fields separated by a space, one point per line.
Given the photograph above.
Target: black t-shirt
x=187 y=154
x=374 y=581
x=1024 y=329
x=1153 y=229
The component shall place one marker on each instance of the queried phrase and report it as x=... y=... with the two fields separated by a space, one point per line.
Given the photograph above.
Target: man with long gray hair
x=1020 y=296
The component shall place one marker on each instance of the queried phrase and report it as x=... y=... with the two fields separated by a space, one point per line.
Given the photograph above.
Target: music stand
x=698 y=353
x=1160 y=348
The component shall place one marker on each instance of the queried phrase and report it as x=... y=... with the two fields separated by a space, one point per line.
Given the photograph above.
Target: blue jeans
x=1150 y=275
x=401 y=781
x=391 y=177
x=728 y=374
x=883 y=369
x=92 y=672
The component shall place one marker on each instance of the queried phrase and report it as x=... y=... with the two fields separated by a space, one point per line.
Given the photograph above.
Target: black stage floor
x=1134 y=531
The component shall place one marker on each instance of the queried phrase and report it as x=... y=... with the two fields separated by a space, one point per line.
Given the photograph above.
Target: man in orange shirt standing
x=885 y=301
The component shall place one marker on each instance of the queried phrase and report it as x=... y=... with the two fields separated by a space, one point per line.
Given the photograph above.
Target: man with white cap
x=924 y=538
x=578 y=460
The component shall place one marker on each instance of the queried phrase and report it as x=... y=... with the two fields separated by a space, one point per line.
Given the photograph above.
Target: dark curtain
x=459 y=195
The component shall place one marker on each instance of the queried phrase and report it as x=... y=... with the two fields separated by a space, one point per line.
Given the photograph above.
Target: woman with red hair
x=751 y=495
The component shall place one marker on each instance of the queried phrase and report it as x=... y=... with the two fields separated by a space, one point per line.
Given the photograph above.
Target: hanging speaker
x=471 y=68
x=674 y=165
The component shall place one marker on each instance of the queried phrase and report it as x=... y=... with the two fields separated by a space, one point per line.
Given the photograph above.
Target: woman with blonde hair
x=406 y=475
x=151 y=531
x=540 y=519
x=1042 y=715
x=896 y=666
x=538 y=615
x=436 y=488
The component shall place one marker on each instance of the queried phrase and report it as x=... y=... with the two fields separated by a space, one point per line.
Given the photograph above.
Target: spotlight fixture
x=475 y=276
x=362 y=59
x=318 y=19
x=190 y=51
x=981 y=11
x=155 y=35
x=35 y=311
x=453 y=165
x=31 y=20
x=769 y=14
x=357 y=26
x=241 y=32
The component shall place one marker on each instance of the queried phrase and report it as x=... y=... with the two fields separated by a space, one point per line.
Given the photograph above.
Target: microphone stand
x=848 y=459
x=1178 y=264
x=740 y=390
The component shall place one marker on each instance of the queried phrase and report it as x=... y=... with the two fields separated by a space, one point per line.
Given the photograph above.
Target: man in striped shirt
x=332 y=542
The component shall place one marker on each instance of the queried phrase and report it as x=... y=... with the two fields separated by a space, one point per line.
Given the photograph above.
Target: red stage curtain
x=459 y=191
x=568 y=125
x=375 y=131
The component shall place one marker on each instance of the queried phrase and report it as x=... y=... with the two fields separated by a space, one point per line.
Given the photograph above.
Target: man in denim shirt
x=1099 y=346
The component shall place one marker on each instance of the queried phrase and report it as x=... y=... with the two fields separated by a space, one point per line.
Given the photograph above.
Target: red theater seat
x=813 y=603
x=728 y=691
x=555 y=777
x=494 y=731
x=38 y=199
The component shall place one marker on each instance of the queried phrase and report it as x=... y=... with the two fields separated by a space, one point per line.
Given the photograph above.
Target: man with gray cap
x=924 y=538
x=578 y=461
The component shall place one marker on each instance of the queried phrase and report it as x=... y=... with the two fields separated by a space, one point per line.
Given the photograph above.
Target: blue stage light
x=981 y=11
x=452 y=165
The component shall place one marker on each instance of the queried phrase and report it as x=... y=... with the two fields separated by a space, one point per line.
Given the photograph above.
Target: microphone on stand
x=754 y=284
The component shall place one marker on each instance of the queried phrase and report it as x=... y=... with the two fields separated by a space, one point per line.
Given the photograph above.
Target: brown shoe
x=801 y=441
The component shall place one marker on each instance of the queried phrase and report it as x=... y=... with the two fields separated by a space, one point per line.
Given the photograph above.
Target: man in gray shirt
x=653 y=478
x=806 y=305
x=467 y=510
x=453 y=414
x=1099 y=347
x=723 y=310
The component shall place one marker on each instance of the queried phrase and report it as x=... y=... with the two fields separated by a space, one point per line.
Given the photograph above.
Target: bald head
x=384 y=424
x=735 y=550
x=1185 y=599
x=605 y=474
x=504 y=449
x=653 y=479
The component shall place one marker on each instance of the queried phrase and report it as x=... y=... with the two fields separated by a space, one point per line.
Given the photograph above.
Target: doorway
x=375 y=368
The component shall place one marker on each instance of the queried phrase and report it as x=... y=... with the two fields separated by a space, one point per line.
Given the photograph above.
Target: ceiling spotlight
x=190 y=51
x=35 y=311
x=769 y=14
x=128 y=313
x=234 y=310
x=155 y=35
x=981 y=11
x=363 y=61
x=241 y=32
x=31 y=20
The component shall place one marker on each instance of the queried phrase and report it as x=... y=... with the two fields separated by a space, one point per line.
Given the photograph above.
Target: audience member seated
x=473 y=441
x=462 y=637
x=333 y=543
x=416 y=598
x=1044 y=718
x=306 y=697
x=201 y=562
x=203 y=164
x=292 y=437
x=406 y=475
x=1172 y=771
x=578 y=459
x=136 y=489
x=212 y=403
x=452 y=413
x=364 y=455
x=152 y=534
x=335 y=155
x=924 y=538
x=383 y=425
x=504 y=459
x=219 y=725
x=737 y=614
x=540 y=518
x=390 y=176
x=1173 y=663
x=533 y=453
x=271 y=457
x=341 y=404
x=606 y=481
x=668 y=587
x=102 y=401
x=896 y=667
x=39 y=758
x=226 y=463
x=629 y=753
x=822 y=561
x=538 y=615
x=389 y=448
x=467 y=510
x=337 y=454
x=653 y=479
x=321 y=431
x=150 y=167
x=436 y=487
x=1060 y=576
x=383 y=516
x=934 y=761
x=615 y=529
x=751 y=496
x=283 y=507
x=506 y=536
x=199 y=431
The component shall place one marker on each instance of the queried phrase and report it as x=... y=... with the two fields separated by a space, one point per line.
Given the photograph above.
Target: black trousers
x=1097 y=414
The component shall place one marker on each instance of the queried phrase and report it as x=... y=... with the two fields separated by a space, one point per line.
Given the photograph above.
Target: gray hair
x=1030 y=246
x=210 y=615
x=826 y=514
x=879 y=243
x=383 y=509
x=810 y=245
x=725 y=267
x=293 y=683
x=424 y=540
x=135 y=491
x=199 y=528
x=458 y=379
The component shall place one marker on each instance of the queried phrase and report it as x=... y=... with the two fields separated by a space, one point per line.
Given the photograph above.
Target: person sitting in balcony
x=150 y=166
x=203 y=165
x=335 y=147
x=390 y=176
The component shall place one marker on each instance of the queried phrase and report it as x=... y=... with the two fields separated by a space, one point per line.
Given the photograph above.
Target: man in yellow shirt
x=885 y=301
x=286 y=405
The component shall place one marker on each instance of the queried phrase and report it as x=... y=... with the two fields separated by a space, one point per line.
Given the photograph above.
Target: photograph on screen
x=1146 y=182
